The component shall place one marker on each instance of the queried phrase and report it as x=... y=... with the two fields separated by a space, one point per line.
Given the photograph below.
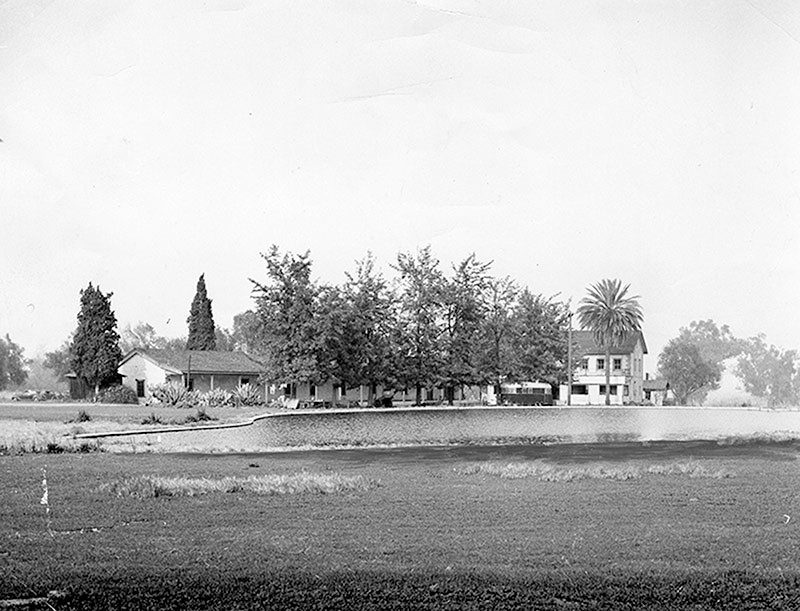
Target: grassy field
x=629 y=526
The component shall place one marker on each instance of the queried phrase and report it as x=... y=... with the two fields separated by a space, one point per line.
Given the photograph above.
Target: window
x=617 y=364
x=625 y=390
x=584 y=363
x=429 y=394
x=601 y=364
x=579 y=389
x=244 y=380
x=140 y=388
x=603 y=389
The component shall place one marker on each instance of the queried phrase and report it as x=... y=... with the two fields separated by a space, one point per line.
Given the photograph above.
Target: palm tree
x=612 y=316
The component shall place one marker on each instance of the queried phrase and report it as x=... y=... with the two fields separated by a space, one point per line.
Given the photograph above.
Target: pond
x=484 y=426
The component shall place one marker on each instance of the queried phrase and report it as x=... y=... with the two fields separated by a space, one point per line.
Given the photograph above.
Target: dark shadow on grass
x=434 y=590
x=558 y=453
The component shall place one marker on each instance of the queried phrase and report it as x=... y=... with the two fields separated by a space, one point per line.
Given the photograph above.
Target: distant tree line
x=693 y=363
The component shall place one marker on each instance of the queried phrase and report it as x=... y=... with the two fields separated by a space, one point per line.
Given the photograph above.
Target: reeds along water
x=492 y=425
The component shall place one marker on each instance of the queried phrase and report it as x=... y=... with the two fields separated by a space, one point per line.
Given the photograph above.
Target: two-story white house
x=627 y=371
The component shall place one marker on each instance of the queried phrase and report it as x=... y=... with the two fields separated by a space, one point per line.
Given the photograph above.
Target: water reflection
x=525 y=426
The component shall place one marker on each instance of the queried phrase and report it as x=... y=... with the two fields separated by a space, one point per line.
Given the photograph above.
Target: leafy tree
x=286 y=306
x=41 y=378
x=176 y=344
x=539 y=339
x=496 y=350
x=714 y=345
x=201 y=320
x=369 y=324
x=767 y=371
x=94 y=352
x=246 y=330
x=464 y=311
x=142 y=335
x=58 y=361
x=420 y=319
x=612 y=316
x=223 y=339
x=12 y=364
x=689 y=375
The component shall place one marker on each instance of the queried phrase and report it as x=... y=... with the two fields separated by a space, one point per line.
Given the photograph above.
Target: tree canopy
x=689 y=375
x=202 y=334
x=12 y=364
x=421 y=321
x=95 y=352
x=692 y=373
x=286 y=307
x=769 y=372
x=612 y=316
x=425 y=330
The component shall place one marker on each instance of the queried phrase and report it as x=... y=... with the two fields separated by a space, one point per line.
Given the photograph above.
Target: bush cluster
x=174 y=394
x=119 y=394
x=247 y=394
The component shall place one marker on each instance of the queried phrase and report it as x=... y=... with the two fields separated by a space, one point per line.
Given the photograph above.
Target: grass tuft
x=550 y=473
x=152 y=419
x=152 y=486
x=83 y=416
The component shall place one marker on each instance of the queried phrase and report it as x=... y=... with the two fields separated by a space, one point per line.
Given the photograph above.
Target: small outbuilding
x=201 y=370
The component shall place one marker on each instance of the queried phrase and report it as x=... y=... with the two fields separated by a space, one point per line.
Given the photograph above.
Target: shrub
x=175 y=394
x=119 y=394
x=82 y=416
x=216 y=397
x=200 y=416
x=247 y=394
x=152 y=419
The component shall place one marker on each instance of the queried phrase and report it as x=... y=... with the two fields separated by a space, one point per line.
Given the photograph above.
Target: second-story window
x=584 y=363
x=617 y=364
x=601 y=364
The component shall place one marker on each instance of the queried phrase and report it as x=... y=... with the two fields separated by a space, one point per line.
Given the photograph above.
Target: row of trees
x=425 y=329
x=693 y=363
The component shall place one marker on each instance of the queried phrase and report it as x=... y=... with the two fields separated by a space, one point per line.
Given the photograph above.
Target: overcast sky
x=145 y=143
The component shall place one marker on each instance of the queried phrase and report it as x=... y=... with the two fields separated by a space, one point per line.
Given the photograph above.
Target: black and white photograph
x=400 y=304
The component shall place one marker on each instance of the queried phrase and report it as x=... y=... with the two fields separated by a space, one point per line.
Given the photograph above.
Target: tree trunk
x=419 y=394
x=608 y=375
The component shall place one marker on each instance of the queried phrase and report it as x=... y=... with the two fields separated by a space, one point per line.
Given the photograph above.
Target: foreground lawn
x=664 y=526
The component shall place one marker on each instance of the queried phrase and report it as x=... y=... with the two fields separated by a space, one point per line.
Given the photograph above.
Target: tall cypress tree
x=95 y=352
x=201 y=321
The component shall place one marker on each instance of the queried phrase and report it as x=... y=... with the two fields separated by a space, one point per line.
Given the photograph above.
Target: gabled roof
x=202 y=361
x=585 y=343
